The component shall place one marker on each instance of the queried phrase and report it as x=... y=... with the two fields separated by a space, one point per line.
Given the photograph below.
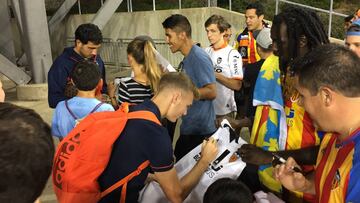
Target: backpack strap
x=123 y=182
x=145 y=115
x=96 y=107
x=71 y=113
x=142 y=114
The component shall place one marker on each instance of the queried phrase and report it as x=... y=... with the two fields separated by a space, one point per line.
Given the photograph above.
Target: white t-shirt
x=228 y=62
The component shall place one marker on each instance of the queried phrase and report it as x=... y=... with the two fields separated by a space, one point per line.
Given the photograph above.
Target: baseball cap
x=264 y=39
x=354 y=29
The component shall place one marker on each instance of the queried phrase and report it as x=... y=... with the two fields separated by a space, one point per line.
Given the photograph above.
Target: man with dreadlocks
x=294 y=32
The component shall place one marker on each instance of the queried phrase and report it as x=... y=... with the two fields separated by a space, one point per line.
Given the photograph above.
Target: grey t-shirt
x=200 y=118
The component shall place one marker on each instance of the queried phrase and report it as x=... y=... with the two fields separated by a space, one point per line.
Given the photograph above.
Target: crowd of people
x=297 y=93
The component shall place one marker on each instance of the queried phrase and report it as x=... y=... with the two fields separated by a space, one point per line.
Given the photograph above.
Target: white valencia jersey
x=228 y=62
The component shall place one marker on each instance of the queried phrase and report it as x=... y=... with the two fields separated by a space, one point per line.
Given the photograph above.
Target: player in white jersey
x=227 y=66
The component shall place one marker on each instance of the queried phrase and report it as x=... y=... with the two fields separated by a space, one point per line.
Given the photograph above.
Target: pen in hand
x=283 y=161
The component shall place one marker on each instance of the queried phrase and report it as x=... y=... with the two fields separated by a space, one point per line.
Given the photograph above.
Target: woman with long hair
x=145 y=80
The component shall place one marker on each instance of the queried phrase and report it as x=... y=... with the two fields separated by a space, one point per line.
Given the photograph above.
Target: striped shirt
x=133 y=92
x=337 y=169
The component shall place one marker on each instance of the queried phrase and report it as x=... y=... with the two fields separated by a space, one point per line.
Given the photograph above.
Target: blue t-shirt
x=63 y=122
x=140 y=140
x=200 y=117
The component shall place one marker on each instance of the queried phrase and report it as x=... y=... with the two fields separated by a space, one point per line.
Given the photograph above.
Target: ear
x=176 y=97
x=303 y=42
x=182 y=35
x=327 y=96
x=99 y=87
x=261 y=17
x=77 y=43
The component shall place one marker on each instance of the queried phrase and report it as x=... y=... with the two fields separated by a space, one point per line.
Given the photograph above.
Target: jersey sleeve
x=235 y=62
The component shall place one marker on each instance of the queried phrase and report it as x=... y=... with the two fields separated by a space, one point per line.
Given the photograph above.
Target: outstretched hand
x=252 y=154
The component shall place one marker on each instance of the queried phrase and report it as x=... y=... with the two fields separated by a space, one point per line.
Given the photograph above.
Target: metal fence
x=114 y=53
x=209 y=3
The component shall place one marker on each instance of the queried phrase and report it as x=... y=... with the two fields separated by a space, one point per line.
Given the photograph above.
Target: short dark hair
x=334 y=66
x=88 y=33
x=259 y=8
x=178 y=23
x=229 y=191
x=85 y=75
x=219 y=21
x=26 y=154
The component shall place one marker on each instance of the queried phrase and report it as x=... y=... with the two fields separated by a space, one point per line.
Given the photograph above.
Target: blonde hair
x=178 y=80
x=143 y=53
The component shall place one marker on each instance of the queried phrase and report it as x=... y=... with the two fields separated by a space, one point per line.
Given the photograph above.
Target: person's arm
x=208 y=92
x=231 y=83
x=293 y=180
x=103 y=74
x=235 y=64
x=57 y=78
x=205 y=77
x=111 y=91
x=54 y=125
x=255 y=155
x=177 y=190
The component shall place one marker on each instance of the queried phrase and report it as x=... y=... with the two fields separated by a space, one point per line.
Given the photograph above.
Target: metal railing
x=330 y=11
x=113 y=53
x=277 y=2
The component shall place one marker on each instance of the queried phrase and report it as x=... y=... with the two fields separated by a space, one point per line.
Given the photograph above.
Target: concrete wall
x=129 y=25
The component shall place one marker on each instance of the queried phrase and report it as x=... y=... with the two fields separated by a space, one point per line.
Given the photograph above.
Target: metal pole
x=36 y=33
x=131 y=8
x=313 y=8
x=104 y=14
x=60 y=14
x=208 y=3
x=277 y=7
x=154 y=5
x=230 y=5
x=128 y=5
x=330 y=17
x=79 y=7
x=179 y=4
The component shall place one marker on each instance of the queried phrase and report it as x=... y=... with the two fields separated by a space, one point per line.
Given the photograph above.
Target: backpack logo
x=60 y=163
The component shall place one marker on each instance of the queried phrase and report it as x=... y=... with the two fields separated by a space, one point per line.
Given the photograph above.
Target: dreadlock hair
x=299 y=23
